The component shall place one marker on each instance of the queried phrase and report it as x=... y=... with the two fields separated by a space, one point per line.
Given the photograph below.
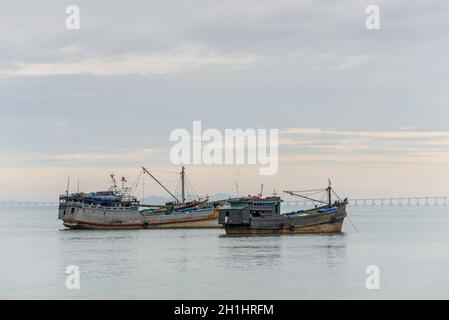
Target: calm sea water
x=410 y=245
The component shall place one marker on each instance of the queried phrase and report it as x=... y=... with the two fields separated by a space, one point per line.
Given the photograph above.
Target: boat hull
x=100 y=218
x=332 y=227
x=313 y=221
x=211 y=222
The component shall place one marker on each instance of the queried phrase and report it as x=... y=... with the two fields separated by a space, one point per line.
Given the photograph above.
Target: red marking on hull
x=80 y=224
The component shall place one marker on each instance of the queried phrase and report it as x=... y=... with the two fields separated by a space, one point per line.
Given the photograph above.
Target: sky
x=368 y=109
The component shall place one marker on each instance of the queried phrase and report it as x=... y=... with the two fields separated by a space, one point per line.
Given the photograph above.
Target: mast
x=145 y=170
x=261 y=189
x=113 y=187
x=329 y=193
x=114 y=182
x=183 y=196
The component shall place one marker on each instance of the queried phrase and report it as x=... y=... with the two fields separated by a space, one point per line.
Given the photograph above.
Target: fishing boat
x=262 y=215
x=117 y=208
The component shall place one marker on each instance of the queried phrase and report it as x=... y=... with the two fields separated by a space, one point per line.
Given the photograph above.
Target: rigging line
x=335 y=194
x=313 y=193
x=193 y=193
x=352 y=223
x=305 y=197
x=191 y=185
x=169 y=181
x=168 y=191
x=312 y=190
x=178 y=187
x=143 y=187
x=322 y=197
x=136 y=181
x=162 y=170
x=188 y=192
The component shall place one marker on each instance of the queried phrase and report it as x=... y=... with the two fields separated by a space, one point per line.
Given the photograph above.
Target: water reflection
x=328 y=250
x=249 y=252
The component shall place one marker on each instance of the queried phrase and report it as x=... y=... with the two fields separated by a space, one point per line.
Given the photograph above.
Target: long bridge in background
x=396 y=201
x=28 y=204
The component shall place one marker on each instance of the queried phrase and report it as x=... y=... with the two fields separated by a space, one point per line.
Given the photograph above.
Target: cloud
x=377 y=148
x=180 y=60
x=368 y=134
x=111 y=157
x=138 y=69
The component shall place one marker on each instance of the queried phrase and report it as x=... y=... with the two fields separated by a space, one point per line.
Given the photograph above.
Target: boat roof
x=235 y=206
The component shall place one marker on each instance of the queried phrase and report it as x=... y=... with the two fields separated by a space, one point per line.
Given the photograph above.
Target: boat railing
x=98 y=206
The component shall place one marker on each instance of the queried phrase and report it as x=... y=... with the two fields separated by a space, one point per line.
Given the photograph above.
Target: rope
x=136 y=181
x=352 y=224
x=191 y=185
x=161 y=170
x=335 y=194
x=312 y=190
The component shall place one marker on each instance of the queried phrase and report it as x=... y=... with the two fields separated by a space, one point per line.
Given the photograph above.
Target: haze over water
x=410 y=245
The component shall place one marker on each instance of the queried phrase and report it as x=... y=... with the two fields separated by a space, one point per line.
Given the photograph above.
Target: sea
x=384 y=252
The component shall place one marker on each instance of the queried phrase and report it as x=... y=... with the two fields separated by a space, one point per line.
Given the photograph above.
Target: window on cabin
x=256 y=214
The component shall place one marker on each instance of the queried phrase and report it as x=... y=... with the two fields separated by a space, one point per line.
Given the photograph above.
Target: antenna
x=261 y=189
x=237 y=188
x=123 y=180
x=77 y=186
x=68 y=186
x=274 y=192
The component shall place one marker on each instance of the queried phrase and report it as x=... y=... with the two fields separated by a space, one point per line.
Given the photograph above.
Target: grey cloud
x=319 y=67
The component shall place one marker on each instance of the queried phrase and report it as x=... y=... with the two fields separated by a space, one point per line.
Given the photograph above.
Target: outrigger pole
x=293 y=193
x=145 y=170
x=328 y=190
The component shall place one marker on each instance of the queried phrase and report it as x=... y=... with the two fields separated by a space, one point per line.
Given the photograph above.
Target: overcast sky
x=366 y=108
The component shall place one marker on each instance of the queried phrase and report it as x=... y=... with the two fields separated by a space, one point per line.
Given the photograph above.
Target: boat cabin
x=240 y=211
